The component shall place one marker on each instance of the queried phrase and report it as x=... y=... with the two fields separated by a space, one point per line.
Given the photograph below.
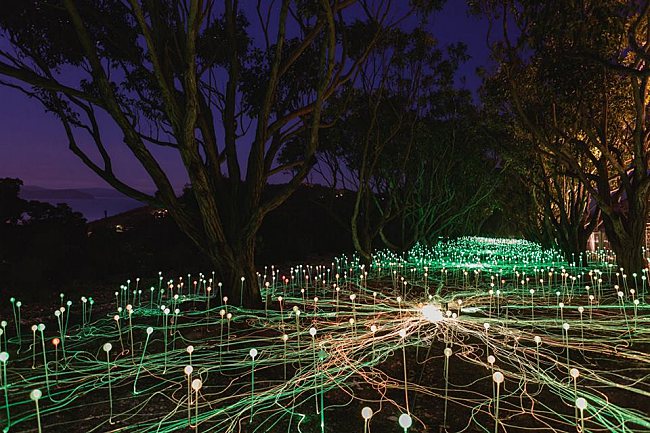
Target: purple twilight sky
x=33 y=146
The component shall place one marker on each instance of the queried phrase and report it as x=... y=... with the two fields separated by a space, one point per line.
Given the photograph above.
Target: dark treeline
x=47 y=248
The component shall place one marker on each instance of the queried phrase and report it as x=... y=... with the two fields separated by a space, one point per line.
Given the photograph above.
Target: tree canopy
x=226 y=85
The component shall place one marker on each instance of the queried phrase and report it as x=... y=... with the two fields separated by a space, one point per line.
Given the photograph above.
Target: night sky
x=33 y=146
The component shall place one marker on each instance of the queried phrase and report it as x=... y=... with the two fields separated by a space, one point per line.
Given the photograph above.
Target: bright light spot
x=405 y=420
x=432 y=313
x=35 y=394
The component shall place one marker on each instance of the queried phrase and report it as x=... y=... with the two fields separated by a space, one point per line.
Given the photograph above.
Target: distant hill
x=33 y=192
x=93 y=203
x=38 y=193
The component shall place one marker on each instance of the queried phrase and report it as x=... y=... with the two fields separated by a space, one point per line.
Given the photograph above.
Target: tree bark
x=236 y=266
x=627 y=241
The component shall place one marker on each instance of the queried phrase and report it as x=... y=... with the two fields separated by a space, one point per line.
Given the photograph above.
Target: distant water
x=94 y=208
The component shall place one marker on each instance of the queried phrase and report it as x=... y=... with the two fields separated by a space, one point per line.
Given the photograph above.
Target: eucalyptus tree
x=403 y=139
x=575 y=75
x=224 y=85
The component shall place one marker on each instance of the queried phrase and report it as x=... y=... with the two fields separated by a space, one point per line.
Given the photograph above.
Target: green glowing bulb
x=35 y=394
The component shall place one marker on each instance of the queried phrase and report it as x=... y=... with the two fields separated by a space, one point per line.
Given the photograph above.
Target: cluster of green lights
x=550 y=345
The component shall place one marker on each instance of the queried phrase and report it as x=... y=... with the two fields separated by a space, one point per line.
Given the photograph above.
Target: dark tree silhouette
x=576 y=77
x=225 y=85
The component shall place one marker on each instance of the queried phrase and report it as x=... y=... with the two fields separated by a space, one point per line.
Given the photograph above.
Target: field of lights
x=473 y=335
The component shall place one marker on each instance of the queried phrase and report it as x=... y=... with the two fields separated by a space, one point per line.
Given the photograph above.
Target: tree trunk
x=626 y=240
x=237 y=270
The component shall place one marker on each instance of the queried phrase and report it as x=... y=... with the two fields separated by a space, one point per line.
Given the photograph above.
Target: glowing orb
x=366 y=413
x=432 y=313
x=405 y=420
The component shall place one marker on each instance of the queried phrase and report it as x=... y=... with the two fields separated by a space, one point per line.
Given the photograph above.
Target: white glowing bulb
x=432 y=313
x=497 y=377
x=574 y=373
x=188 y=369
x=197 y=384
x=581 y=403
x=253 y=353
x=108 y=347
x=312 y=331
x=447 y=352
x=35 y=394
x=366 y=413
x=149 y=330
x=405 y=421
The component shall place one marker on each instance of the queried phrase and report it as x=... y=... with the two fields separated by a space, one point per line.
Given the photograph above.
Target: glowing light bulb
x=253 y=353
x=498 y=377
x=405 y=420
x=431 y=313
x=35 y=394
x=366 y=413
x=581 y=403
